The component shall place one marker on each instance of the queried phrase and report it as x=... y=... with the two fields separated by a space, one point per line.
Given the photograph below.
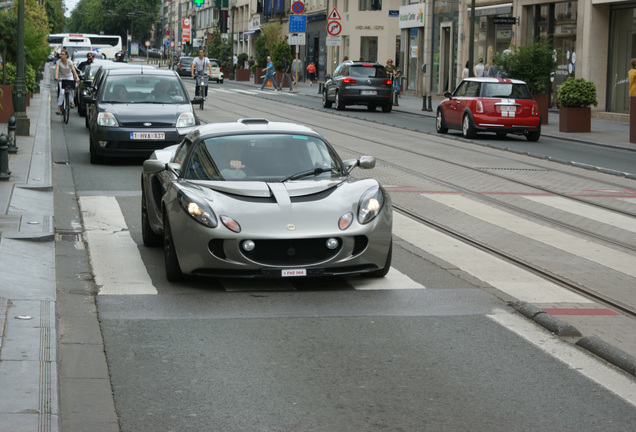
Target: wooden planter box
x=6 y=103
x=575 y=119
x=242 y=74
x=543 y=100
x=258 y=72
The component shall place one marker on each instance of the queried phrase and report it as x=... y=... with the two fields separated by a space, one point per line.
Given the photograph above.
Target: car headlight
x=198 y=209
x=107 y=119
x=186 y=119
x=370 y=205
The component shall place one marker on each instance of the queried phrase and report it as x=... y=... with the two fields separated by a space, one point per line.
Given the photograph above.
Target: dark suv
x=358 y=83
x=184 y=66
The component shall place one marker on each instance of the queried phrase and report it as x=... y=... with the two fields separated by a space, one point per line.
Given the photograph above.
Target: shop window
x=370 y=5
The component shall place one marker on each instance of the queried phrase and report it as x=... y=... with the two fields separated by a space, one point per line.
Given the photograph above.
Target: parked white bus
x=104 y=46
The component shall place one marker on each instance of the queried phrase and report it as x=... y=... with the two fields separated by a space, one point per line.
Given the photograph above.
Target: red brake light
x=480 y=107
x=349 y=81
x=535 y=109
x=367 y=65
x=387 y=82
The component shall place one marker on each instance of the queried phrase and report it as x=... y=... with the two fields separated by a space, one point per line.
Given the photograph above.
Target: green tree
x=55 y=14
x=221 y=50
x=267 y=43
x=533 y=63
x=282 y=50
x=36 y=29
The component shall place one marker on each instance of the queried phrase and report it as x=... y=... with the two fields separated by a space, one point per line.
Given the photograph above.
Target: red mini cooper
x=497 y=105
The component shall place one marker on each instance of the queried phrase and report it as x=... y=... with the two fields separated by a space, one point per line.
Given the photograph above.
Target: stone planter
x=575 y=119
x=242 y=74
x=543 y=100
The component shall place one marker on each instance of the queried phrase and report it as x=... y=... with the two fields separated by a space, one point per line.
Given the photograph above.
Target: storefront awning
x=250 y=32
x=498 y=9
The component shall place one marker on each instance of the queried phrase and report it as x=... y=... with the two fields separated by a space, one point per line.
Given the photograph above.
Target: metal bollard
x=12 y=146
x=395 y=99
x=430 y=103
x=424 y=102
x=320 y=87
x=4 y=158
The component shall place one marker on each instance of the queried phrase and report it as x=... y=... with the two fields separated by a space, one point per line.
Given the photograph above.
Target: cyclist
x=64 y=70
x=89 y=59
x=199 y=64
x=120 y=57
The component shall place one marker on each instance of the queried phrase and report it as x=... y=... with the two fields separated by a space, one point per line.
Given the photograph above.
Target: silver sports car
x=262 y=199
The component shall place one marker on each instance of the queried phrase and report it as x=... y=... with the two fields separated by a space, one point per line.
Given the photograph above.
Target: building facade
x=429 y=40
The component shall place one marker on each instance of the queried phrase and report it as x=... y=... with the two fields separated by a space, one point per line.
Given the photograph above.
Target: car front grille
x=155 y=125
x=293 y=252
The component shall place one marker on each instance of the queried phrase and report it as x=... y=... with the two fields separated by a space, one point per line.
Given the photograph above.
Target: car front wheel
x=440 y=126
x=467 y=127
x=325 y=103
x=173 y=269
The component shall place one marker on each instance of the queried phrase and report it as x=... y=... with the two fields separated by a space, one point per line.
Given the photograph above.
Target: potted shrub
x=242 y=74
x=533 y=64
x=574 y=97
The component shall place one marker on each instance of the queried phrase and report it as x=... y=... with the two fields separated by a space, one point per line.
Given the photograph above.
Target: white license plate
x=293 y=272
x=154 y=136
x=368 y=92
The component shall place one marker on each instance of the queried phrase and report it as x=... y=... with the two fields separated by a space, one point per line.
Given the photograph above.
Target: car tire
x=440 y=126
x=325 y=103
x=387 y=108
x=149 y=237
x=533 y=136
x=173 y=269
x=387 y=265
x=81 y=111
x=95 y=158
x=340 y=106
x=86 y=120
x=371 y=107
x=220 y=81
x=468 y=130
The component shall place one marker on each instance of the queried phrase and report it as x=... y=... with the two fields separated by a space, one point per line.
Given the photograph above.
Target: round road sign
x=147 y=43
x=298 y=7
x=334 y=28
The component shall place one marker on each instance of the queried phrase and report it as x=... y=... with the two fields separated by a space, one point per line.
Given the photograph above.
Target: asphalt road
x=439 y=353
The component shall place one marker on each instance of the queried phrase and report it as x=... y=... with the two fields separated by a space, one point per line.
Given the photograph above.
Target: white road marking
x=597 y=253
x=117 y=264
x=119 y=269
x=587 y=211
x=584 y=363
x=502 y=275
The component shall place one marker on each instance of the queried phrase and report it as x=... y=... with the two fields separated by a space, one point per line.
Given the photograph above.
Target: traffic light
x=223 y=21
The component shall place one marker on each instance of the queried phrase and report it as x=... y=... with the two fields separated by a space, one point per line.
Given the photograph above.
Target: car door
x=332 y=84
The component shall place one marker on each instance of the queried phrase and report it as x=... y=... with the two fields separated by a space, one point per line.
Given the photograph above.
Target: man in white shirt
x=198 y=65
x=479 y=68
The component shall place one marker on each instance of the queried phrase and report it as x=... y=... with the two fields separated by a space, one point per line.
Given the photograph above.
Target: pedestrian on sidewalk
x=297 y=70
x=286 y=74
x=64 y=70
x=632 y=78
x=466 y=71
x=269 y=74
x=479 y=68
x=311 y=73
x=390 y=68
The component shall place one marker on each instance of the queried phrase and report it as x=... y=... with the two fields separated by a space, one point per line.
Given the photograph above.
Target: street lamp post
x=19 y=93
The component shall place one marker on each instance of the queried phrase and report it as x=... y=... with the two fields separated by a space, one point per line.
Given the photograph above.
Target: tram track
x=630 y=247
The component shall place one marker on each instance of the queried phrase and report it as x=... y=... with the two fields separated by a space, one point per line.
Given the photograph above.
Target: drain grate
x=68 y=237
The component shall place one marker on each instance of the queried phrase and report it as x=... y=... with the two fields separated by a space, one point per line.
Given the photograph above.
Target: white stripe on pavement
x=116 y=261
x=587 y=211
x=594 y=252
x=502 y=275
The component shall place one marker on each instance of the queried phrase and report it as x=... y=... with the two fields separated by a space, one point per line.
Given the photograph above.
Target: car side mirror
x=327 y=77
x=197 y=100
x=448 y=95
x=364 y=162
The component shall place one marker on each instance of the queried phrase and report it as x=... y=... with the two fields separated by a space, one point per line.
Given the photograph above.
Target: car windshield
x=367 y=71
x=143 y=89
x=263 y=157
x=506 y=90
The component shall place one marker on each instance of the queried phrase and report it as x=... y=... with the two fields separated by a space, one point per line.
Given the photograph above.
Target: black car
x=138 y=110
x=96 y=74
x=184 y=66
x=358 y=83
x=86 y=81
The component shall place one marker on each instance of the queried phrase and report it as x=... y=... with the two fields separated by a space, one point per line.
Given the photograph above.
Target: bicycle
x=201 y=85
x=67 y=86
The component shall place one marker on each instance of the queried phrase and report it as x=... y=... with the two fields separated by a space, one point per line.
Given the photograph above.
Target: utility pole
x=19 y=93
